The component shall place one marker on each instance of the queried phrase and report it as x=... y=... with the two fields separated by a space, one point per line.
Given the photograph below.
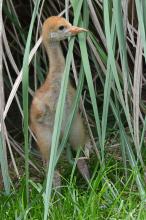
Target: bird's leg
x=57 y=180
x=1 y=181
x=80 y=162
x=56 y=177
x=83 y=169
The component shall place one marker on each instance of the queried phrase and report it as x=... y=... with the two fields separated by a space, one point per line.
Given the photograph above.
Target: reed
x=108 y=68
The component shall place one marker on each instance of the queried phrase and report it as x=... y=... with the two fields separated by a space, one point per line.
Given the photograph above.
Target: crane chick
x=43 y=108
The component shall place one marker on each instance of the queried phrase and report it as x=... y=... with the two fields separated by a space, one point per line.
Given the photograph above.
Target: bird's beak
x=75 y=30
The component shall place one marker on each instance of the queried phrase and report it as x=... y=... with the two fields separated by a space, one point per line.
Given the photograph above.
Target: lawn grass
x=108 y=196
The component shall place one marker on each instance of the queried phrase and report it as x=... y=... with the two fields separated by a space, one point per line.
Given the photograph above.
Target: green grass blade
x=122 y=42
x=107 y=87
x=113 y=64
x=58 y=119
x=4 y=164
x=3 y=155
x=143 y=133
x=123 y=54
x=25 y=79
x=88 y=74
x=140 y=14
x=57 y=128
x=71 y=117
x=130 y=153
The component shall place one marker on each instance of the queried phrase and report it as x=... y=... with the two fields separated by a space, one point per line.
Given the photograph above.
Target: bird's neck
x=56 y=58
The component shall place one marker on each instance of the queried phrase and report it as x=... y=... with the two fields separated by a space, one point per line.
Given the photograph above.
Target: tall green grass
x=3 y=156
x=111 y=74
x=25 y=83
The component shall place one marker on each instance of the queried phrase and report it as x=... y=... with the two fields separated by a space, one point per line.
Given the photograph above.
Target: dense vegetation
x=107 y=66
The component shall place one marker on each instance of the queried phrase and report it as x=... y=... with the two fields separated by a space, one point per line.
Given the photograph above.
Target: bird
x=44 y=102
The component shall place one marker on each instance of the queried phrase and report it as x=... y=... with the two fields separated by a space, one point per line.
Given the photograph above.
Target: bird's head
x=57 y=28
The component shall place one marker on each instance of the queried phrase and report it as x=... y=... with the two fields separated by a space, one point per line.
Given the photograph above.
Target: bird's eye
x=61 y=28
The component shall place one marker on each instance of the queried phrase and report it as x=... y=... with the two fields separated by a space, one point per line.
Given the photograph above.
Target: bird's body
x=43 y=108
